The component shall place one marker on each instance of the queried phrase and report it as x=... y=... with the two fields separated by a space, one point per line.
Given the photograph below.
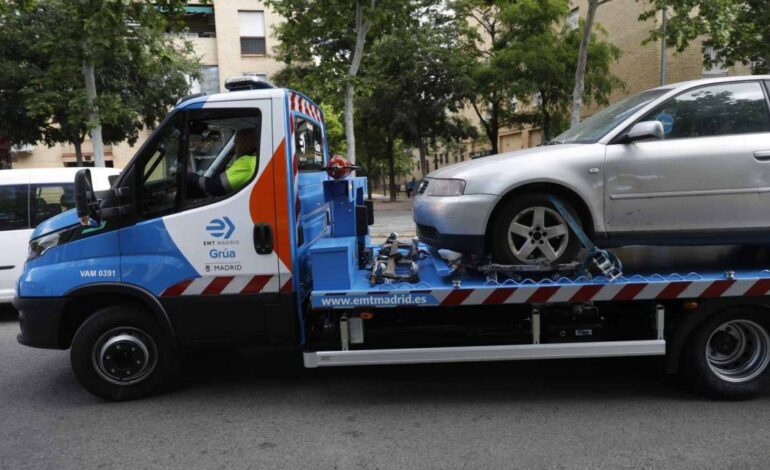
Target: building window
x=252 y=28
x=717 y=69
x=199 y=20
x=208 y=82
x=573 y=19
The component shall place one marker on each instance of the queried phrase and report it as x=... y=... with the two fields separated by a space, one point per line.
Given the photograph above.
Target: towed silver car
x=687 y=163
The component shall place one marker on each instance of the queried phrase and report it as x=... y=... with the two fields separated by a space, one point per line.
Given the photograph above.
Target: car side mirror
x=645 y=130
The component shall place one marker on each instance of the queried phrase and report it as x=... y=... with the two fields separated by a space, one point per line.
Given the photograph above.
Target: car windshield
x=598 y=125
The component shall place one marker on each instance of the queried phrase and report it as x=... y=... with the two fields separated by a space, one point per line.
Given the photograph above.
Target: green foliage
x=737 y=30
x=335 y=131
x=317 y=38
x=140 y=70
x=519 y=50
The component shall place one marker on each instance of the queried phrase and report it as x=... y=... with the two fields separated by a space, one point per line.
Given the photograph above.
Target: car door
x=209 y=257
x=703 y=178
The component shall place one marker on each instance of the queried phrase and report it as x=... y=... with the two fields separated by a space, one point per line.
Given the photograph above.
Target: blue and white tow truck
x=139 y=273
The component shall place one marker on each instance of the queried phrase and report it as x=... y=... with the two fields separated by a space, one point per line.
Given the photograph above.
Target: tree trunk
x=546 y=117
x=362 y=28
x=78 y=150
x=391 y=171
x=423 y=159
x=580 y=73
x=96 y=132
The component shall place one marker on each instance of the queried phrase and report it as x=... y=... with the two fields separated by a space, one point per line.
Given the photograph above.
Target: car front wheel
x=529 y=230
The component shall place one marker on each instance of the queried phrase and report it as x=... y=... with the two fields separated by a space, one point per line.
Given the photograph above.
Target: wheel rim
x=538 y=234
x=738 y=351
x=125 y=356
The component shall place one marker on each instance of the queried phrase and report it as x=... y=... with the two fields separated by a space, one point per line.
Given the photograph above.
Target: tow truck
x=138 y=274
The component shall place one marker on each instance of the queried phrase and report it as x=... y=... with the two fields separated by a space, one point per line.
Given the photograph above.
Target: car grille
x=423 y=187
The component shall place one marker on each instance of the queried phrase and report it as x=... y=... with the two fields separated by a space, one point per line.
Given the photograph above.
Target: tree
x=480 y=42
x=531 y=65
x=733 y=31
x=580 y=72
x=413 y=82
x=323 y=41
x=121 y=74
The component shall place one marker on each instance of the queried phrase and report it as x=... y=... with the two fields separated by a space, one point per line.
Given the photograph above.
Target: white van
x=28 y=197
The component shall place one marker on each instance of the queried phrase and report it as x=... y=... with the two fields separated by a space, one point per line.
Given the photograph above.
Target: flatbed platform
x=649 y=273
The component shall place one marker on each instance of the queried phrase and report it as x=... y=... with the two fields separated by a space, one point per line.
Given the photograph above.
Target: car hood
x=481 y=166
x=57 y=222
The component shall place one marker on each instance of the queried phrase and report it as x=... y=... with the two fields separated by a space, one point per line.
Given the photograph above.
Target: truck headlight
x=445 y=187
x=40 y=245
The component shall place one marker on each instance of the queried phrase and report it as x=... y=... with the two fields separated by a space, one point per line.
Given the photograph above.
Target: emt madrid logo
x=221 y=228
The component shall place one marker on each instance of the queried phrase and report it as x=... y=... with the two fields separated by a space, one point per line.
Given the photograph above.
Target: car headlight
x=445 y=187
x=40 y=245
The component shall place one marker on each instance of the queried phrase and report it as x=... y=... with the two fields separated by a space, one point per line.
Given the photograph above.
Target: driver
x=240 y=171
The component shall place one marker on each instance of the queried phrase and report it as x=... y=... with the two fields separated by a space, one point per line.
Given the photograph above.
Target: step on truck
x=189 y=248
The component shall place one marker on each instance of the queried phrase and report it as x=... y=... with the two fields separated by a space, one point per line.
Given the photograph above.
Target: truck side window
x=222 y=154
x=308 y=144
x=158 y=171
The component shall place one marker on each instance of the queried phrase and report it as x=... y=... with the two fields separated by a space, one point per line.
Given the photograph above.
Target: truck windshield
x=598 y=125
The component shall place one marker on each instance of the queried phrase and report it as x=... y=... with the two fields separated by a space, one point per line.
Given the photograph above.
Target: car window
x=601 y=123
x=724 y=109
x=308 y=144
x=49 y=200
x=14 y=210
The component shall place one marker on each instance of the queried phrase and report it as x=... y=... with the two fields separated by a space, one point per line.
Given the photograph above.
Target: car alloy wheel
x=538 y=234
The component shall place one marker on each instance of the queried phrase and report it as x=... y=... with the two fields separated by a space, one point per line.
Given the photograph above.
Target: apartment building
x=232 y=37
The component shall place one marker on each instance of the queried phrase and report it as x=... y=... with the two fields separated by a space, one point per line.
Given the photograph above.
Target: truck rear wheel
x=729 y=355
x=120 y=353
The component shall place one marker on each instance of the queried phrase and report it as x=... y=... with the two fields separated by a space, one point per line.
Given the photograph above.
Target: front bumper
x=456 y=223
x=39 y=320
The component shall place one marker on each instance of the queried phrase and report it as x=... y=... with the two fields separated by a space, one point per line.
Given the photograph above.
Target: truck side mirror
x=645 y=130
x=85 y=199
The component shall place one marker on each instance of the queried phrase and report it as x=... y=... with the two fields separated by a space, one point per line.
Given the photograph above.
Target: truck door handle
x=3 y=268
x=263 y=239
x=762 y=155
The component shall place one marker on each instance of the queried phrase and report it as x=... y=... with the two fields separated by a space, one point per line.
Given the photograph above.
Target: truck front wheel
x=728 y=356
x=120 y=353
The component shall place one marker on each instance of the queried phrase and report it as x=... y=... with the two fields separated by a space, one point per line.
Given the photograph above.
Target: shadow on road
x=527 y=381
x=8 y=313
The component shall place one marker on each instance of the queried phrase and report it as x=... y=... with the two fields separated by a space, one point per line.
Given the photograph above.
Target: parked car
x=28 y=197
x=687 y=163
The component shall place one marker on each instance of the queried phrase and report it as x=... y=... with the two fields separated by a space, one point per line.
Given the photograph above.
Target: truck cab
x=201 y=265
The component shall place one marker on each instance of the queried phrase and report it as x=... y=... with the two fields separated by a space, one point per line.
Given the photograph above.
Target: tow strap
x=605 y=261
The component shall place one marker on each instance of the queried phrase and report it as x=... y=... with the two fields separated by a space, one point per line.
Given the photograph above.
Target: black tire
x=701 y=377
x=498 y=236
x=128 y=328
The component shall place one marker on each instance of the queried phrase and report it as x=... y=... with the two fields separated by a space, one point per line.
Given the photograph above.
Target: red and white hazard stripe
x=622 y=291
x=261 y=283
x=298 y=103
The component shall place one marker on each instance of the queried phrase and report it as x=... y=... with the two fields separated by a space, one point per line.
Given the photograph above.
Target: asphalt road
x=237 y=411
